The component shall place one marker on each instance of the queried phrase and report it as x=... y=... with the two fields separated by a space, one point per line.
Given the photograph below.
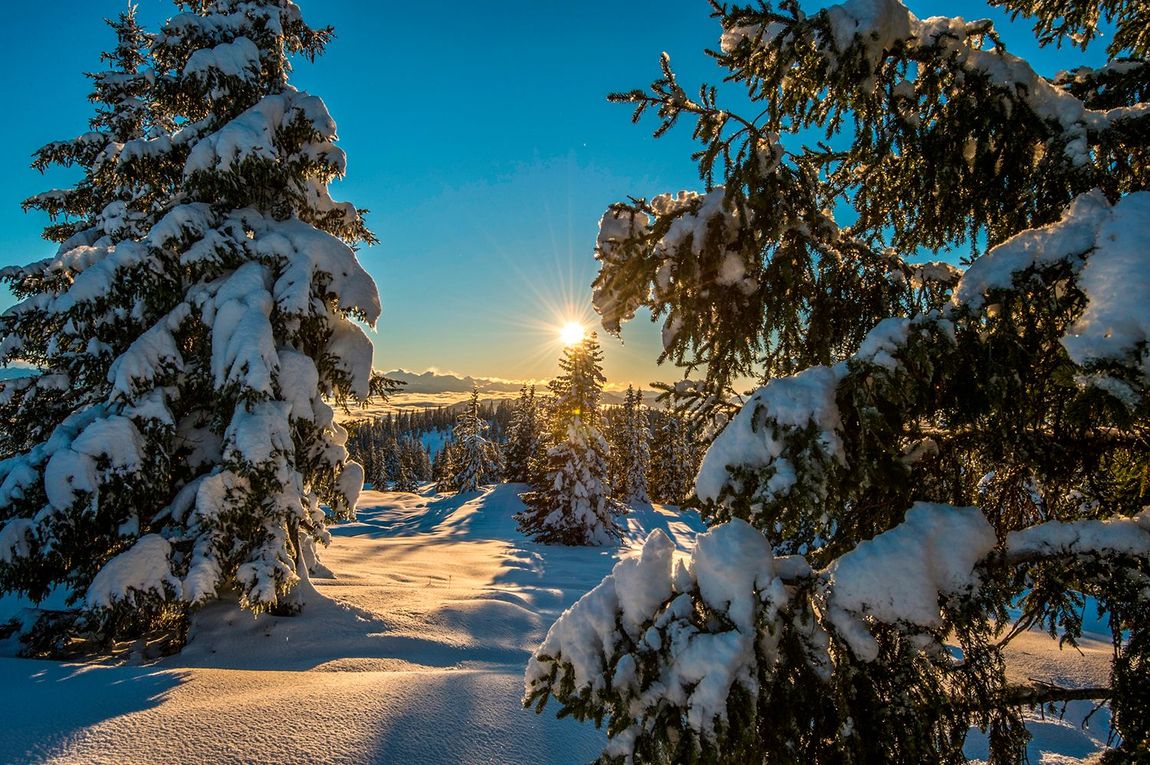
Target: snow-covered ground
x=1059 y=738
x=412 y=652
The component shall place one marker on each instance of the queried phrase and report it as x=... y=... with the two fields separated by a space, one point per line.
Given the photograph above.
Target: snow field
x=413 y=653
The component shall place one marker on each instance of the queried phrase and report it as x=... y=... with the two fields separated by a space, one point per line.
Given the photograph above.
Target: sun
x=572 y=333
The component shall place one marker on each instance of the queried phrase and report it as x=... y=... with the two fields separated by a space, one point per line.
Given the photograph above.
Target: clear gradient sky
x=478 y=135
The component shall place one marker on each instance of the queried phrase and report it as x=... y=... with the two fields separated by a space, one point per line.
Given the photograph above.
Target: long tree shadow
x=499 y=622
x=459 y=671
x=549 y=578
x=46 y=702
x=422 y=517
x=328 y=634
x=482 y=731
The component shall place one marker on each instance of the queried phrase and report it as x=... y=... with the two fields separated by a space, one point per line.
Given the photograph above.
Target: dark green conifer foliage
x=629 y=437
x=525 y=438
x=571 y=504
x=889 y=381
x=673 y=459
x=177 y=445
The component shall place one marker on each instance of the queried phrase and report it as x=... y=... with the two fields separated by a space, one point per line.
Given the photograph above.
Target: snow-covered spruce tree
x=612 y=428
x=674 y=462
x=442 y=468
x=392 y=459
x=374 y=466
x=537 y=469
x=572 y=504
x=525 y=438
x=417 y=458
x=932 y=445
x=478 y=458
x=405 y=479
x=111 y=199
x=119 y=194
x=631 y=449
x=177 y=445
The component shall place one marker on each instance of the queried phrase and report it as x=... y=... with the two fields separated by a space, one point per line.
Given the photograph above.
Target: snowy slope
x=434 y=440
x=413 y=653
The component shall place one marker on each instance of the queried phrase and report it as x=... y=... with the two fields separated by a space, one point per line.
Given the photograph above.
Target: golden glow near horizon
x=572 y=332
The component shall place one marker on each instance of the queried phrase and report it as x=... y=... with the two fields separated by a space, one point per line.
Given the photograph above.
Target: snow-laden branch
x=662 y=636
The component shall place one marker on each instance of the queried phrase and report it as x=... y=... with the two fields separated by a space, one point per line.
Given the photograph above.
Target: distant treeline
x=400 y=450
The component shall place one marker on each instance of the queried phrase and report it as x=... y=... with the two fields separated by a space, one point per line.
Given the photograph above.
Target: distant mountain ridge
x=432 y=382
x=437 y=382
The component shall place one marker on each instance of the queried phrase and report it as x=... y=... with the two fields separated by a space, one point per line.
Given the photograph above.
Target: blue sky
x=478 y=135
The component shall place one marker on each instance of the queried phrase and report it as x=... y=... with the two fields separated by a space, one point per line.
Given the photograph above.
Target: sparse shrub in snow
x=478 y=458
x=929 y=446
x=177 y=444
x=572 y=504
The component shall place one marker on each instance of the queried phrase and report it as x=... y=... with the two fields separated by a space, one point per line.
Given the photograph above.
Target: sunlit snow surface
x=412 y=653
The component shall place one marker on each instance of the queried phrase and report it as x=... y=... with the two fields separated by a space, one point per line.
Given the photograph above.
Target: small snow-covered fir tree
x=443 y=467
x=932 y=446
x=524 y=446
x=477 y=457
x=405 y=478
x=673 y=461
x=177 y=444
x=572 y=504
x=631 y=451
